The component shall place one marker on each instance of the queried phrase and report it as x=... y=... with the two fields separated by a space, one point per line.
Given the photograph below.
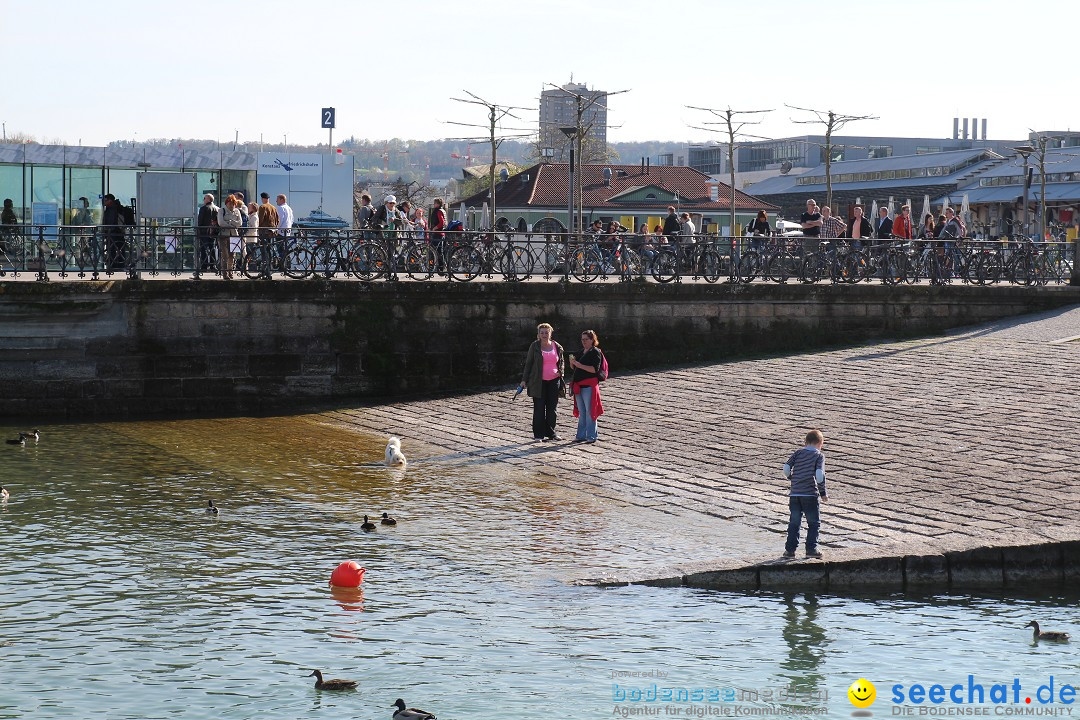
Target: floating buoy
x=348 y=574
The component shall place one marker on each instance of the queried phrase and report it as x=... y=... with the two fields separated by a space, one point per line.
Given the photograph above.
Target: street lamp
x=570 y=133
x=1025 y=152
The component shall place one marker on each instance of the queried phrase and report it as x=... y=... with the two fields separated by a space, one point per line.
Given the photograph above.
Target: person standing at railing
x=363 y=215
x=859 y=228
x=832 y=227
x=268 y=220
x=112 y=230
x=952 y=231
x=901 y=227
x=9 y=224
x=883 y=224
x=672 y=227
x=229 y=223
x=810 y=221
x=759 y=228
x=285 y=223
x=251 y=235
x=207 y=232
x=436 y=225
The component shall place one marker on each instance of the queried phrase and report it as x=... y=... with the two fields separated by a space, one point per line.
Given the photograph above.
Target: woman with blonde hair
x=542 y=377
x=229 y=223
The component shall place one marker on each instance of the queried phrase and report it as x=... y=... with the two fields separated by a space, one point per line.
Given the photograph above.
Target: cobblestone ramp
x=933 y=446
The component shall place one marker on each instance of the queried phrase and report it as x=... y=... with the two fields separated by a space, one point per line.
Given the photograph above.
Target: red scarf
x=596 y=408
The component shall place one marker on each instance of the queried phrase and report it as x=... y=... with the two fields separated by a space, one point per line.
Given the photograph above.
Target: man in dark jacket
x=672 y=226
x=883 y=225
x=207 y=232
x=112 y=231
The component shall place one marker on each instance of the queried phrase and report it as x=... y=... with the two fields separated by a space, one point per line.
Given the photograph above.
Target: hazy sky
x=94 y=72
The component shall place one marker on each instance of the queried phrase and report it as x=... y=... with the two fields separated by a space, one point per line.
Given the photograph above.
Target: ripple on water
x=123 y=599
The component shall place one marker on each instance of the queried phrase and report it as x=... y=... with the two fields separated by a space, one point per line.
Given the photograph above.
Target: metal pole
x=570 y=195
x=1026 y=184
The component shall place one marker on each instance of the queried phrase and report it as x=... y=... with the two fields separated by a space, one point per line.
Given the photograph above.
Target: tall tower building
x=558 y=108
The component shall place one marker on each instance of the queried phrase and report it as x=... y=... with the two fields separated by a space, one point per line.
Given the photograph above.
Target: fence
x=62 y=252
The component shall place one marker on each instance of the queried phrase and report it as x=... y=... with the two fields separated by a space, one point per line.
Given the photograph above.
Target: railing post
x=1075 y=279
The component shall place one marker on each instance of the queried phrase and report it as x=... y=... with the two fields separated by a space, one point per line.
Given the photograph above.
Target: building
x=759 y=160
x=899 y=178
x=630 y=194
x=46 y=182
x=559 y=109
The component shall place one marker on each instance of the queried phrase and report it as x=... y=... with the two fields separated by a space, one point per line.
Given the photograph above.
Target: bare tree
x=734 y=132
x=583 y=104
x=832 y=121
x=496 y=113
x=1042 y=143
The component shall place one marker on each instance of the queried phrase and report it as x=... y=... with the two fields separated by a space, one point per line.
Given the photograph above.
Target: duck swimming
x=211 y=508
x=32 y=435
x=21 y=440
x=404 y=713
x=387 y=520
x=4 y=494
x=1052 y=635
x=367 y=525
x=321 y=684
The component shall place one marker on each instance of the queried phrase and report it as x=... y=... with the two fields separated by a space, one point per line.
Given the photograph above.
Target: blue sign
x=328 y=118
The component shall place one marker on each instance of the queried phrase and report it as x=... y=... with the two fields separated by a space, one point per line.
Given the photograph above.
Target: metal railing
x=96 y=253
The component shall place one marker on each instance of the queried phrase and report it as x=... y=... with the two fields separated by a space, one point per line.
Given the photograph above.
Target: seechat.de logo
x=862 y=695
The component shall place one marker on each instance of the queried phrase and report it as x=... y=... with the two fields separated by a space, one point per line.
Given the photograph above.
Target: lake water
x=121 y=598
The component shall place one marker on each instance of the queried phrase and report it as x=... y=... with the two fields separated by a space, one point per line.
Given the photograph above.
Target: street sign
x=327 y=118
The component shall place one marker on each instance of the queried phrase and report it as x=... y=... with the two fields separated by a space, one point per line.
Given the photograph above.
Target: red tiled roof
x=548 y=184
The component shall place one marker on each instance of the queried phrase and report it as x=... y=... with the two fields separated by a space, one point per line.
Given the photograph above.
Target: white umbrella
x=873 y=212
x=484 y=224
x=892 y=212
x=965 y=210
x=945 y=204
x=925 y=208
x=462 y=216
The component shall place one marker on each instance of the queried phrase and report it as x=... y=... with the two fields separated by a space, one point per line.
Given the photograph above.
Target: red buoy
x=348 y=574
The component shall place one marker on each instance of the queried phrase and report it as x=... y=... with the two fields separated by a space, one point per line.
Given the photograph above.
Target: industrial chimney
x=974 y=128
x=965 y=128
x=956 y=128
x=983 y=135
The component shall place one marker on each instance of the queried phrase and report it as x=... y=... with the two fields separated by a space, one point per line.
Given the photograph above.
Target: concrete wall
x=123 y=348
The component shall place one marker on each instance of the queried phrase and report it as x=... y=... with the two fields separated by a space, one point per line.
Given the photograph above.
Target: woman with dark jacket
x=587 y=369
x=542 y=376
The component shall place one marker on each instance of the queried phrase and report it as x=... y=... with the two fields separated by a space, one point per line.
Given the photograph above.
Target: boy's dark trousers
x=810 y=507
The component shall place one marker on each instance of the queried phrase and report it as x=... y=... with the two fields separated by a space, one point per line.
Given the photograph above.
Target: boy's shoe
x=789 y=554
x=812 y=553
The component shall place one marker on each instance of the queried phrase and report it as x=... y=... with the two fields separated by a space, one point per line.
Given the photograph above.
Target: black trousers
x=544 y=415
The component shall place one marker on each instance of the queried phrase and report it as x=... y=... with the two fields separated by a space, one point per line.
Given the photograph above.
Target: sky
x=114 y=70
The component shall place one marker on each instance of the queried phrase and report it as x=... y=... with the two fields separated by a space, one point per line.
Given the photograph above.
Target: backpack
x=602 y=371
x=127 y=215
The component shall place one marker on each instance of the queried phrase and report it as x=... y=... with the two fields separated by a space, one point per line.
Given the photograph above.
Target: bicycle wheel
x=814 y=267
x=665 y=266
x=629 y=264
x=368 y=262
x=988 y=269
x=586 y=264
x=712 y=265
x=852 y=267
x=749 y=267
x=299 y=263
x=516 y=263
x=553 y=258
x=893 y=267
x=465 y=263
x=420 y=262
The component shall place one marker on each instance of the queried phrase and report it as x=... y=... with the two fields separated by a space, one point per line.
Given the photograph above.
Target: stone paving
x=945 y=443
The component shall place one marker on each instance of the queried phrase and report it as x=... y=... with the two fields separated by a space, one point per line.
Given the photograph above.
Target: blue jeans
x=800 y=506
x=586 y=425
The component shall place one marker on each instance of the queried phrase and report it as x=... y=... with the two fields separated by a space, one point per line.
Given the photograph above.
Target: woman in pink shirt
x=542 y=377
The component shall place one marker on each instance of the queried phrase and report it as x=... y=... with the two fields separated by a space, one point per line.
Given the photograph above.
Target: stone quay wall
x=143 y=348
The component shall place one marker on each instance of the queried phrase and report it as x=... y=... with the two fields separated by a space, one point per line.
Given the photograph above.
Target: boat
x=320 y=220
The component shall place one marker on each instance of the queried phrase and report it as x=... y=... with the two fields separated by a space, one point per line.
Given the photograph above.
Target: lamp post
x=570 y=133
x=1025 y=151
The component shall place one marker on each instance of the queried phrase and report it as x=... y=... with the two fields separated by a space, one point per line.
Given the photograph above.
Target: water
x=121 y=598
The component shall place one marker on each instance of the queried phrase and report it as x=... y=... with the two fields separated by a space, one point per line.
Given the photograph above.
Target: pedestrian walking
x=542 y=378
x=806 y=471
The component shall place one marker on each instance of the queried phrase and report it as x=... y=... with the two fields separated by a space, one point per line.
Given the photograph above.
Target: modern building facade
x=559 y=109
x=45 y=182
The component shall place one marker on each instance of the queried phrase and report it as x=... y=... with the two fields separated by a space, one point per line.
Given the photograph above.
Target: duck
x=1052 y=635
x=321 y=684
x=20 y=441
x=32 y=435
x=211 y=508
x=387 y=520
x=367 y=525
x=404 y=713
x=4 y=494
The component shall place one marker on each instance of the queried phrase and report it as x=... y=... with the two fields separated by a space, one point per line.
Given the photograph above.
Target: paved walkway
x=948 y=443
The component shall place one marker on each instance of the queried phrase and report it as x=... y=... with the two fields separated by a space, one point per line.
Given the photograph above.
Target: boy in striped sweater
x=806 y=470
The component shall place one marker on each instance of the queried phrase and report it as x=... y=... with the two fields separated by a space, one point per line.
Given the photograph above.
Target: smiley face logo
x=862 y=693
